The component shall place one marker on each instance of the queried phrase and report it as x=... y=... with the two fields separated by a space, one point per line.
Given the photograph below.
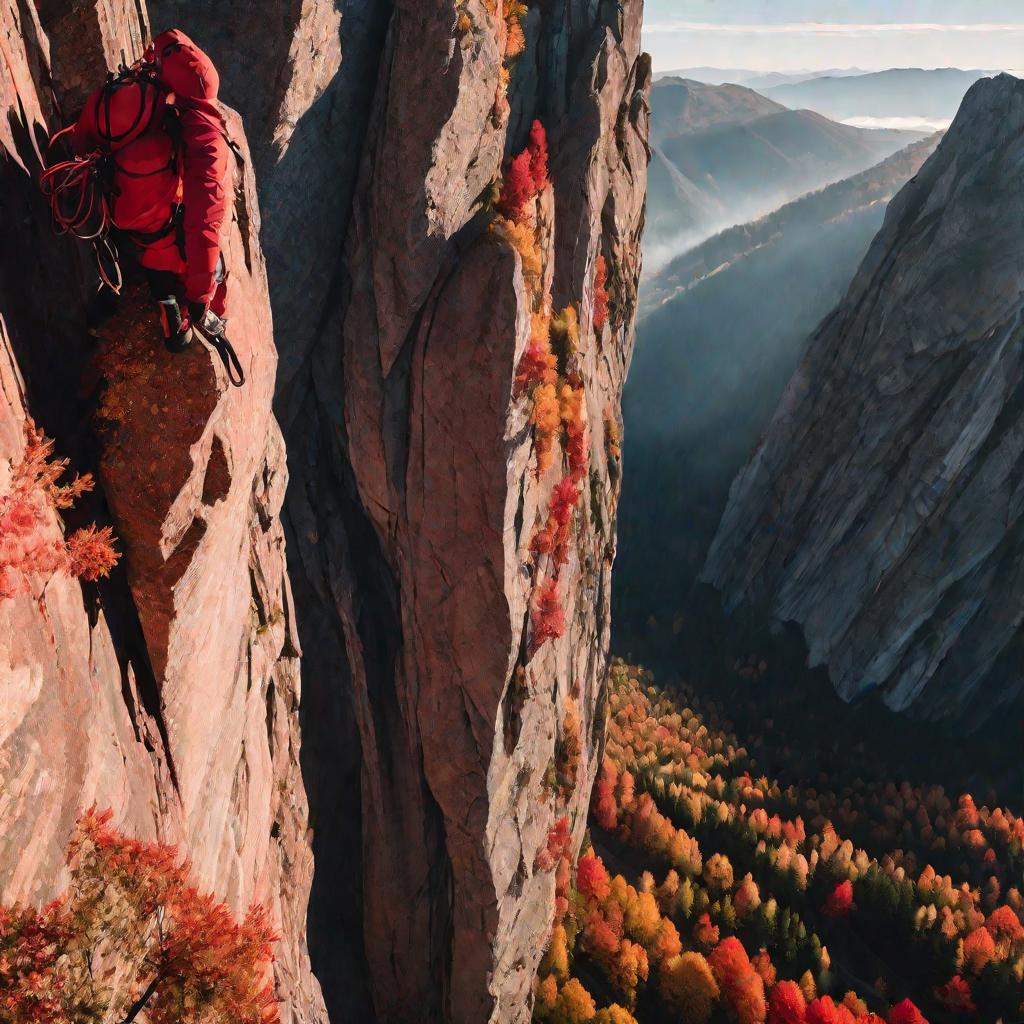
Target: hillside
x=878 y=184
x=899 y=92
x=356 y=611
x=721 y=884
x=881 y=512
x=681 y=107
x=722 y=329
x=724 y=156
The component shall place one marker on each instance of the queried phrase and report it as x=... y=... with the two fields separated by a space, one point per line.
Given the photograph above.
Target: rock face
x=170 y=693
x=441 y=745
x=883 y=510
x=414 y=500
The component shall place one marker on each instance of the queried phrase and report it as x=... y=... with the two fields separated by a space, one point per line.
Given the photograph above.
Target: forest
x=714 y=888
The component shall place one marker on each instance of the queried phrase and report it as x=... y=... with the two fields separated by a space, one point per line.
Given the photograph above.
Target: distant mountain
x=681 y=106
x=753 y=79
x=882 y=512
x=725 y=154
x=718 y=254
x=901 y=92
x=721 y=330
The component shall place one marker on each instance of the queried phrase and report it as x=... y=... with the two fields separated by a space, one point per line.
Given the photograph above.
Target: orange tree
x=132 y=940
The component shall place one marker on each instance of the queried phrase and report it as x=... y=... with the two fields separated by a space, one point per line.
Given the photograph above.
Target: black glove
x=197 y=313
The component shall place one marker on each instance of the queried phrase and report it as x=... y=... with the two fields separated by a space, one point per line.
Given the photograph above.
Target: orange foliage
x=1004 y=924
x=538 y=364
x=603 y=799
x=742 y=988
x=704 y=932
x=131 y=935
x=979 y=948
x=571 y=404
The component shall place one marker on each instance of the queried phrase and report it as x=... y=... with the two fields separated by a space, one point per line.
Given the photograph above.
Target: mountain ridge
x=880 y=513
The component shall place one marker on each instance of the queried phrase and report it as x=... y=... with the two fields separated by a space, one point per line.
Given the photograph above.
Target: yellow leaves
x=688 y=987
x=523 y=238
x=612 y=437
x=565 y=332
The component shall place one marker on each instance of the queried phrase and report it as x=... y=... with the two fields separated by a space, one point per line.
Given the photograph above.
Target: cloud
x=848 y=29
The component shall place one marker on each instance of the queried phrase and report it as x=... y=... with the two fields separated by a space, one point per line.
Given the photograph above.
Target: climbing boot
x=178 y=334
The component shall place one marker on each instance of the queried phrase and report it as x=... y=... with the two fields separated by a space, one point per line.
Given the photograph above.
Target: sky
x=796 y=35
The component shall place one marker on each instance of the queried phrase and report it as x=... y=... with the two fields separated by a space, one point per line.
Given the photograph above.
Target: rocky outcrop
x=171 y=693
x=882 y=512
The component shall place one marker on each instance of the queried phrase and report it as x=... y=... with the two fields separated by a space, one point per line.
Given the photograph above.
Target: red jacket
x=137 y=124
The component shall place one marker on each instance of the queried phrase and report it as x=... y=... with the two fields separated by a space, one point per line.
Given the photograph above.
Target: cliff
x=882 y=511
x=170 y=692
x=443 y=743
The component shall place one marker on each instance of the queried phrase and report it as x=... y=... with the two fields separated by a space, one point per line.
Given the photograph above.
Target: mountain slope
x=722 y=329
x=878 y=184
x=883 y=511
x=724 y=156
x=680 y=107
x=900 y=92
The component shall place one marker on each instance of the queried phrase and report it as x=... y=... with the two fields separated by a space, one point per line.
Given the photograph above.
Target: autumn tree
x=131 y=940
x=34 y=497
x=687 y=986
x=786 y=1004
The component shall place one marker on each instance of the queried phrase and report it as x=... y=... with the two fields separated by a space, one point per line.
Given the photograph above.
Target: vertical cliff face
x=169 y=693
x=443 y=745
x=402 y=318
x=882 y=512
x=415 y=498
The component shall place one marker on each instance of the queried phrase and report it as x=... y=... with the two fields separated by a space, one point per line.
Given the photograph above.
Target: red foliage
x=557 y=845
x=537 y=147
x=555 y=535
x=547 y=617
x=592 y=878
x=840 y=900
x=955 y=997
x=526 y=177
x=600 y=295
x=786 y=1004
x=517 y=188
x=534 y=368
x=822 y=1011
x=28 y=509
x=906 y=1013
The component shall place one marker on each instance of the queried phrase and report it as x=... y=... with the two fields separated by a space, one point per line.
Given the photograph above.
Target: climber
x=151 y=162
